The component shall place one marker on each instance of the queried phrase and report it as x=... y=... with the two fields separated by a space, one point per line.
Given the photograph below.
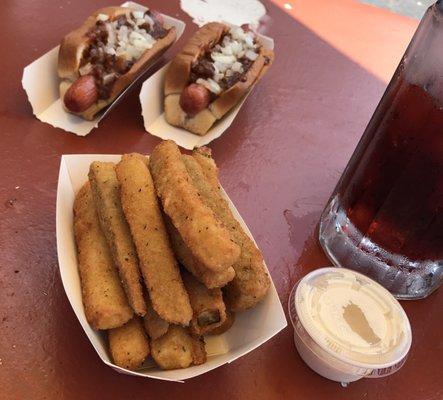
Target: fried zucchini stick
x=178 y=349
x=105 y=190
x=104 y=299
x=155 y=326
x=211 y=279
x=251 y=281
x=207 y=305
x=129 y=345
x=229 y=321
x=204 y=235
x=203 y=155
x=156 y=258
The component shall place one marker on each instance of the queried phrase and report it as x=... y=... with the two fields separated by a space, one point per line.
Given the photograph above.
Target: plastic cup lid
x=353 y=318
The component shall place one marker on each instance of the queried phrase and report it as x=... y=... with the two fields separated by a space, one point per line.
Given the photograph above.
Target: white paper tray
x=152 y=103
x=251 y=328
x=41 y=83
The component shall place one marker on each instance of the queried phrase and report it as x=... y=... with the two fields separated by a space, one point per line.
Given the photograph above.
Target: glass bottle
x=385 y=217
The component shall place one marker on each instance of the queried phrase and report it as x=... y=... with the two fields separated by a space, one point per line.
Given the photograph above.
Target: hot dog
x=97 y=61
x=215 y=69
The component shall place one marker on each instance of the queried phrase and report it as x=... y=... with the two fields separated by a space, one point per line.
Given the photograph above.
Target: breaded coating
x=198 y=350
x=207 y=305
x=104 y=299
x=155 y=326
x=129 y=344
x=178 y=349
x=203 y=155
x=251 y=281
x=105 y=190
x=139 y=156
x=229 y=321
x=211 y=279
x=204 y=235
x=156 y=258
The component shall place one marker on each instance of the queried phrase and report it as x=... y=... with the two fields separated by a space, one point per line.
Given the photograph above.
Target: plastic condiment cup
x=347 y=326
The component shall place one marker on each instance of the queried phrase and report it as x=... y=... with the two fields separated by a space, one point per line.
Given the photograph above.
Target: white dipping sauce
x=347 y=326
x=236 y=12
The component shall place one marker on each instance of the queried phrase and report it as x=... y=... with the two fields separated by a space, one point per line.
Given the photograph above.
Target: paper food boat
x=251 y=328
x=152 y=99
x=41 y=83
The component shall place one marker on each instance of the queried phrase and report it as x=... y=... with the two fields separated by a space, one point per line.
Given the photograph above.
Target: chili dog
x=97 y=61
x=215 y=69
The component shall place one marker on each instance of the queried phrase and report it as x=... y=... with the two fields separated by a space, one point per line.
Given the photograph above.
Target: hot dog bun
x=74 y=44
x=178 y=74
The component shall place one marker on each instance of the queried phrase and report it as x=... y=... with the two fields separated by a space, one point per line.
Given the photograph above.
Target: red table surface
x=279 y=162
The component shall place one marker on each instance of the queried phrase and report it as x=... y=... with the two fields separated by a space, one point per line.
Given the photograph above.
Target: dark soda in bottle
x=385 y=217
